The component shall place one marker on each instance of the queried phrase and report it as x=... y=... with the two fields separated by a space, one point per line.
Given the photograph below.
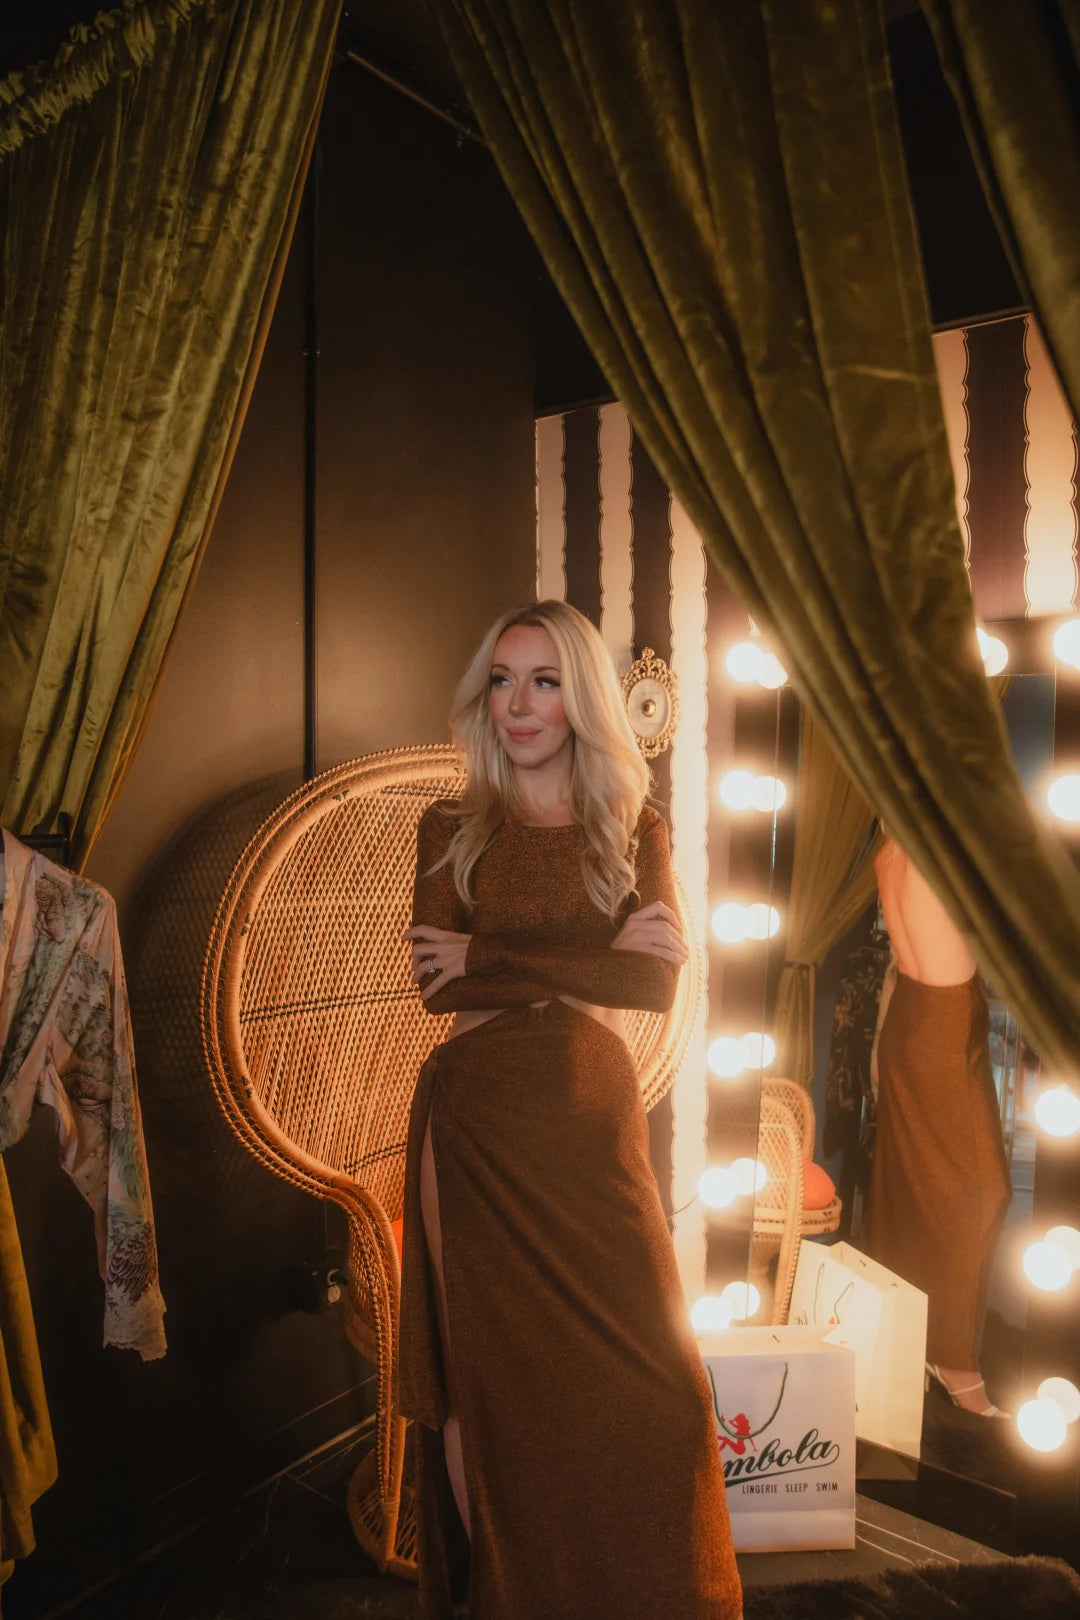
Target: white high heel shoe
x=990 y=1410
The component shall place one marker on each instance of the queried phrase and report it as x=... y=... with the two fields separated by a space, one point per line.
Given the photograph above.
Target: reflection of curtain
x=149 y=181
x=1014 y=72
x=27 y=1456
x=720 y=194
x=829 y=891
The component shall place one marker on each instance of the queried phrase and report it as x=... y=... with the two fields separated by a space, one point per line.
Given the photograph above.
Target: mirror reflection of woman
x=940 y=1186
x=568 y=1463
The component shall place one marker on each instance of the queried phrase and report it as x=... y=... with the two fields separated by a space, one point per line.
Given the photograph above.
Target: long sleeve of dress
x=437 y=903
x=509 y=969
x=598 y=974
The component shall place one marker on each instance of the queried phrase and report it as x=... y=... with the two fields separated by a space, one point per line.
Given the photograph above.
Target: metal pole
x=311 y=461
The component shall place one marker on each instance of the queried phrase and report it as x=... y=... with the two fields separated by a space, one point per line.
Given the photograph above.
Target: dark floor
x=287 y=1553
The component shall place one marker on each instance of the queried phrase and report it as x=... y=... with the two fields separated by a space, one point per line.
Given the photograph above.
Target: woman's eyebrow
x=538 y=669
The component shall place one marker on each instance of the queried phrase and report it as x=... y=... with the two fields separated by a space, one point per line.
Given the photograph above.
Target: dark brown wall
x=426 y=529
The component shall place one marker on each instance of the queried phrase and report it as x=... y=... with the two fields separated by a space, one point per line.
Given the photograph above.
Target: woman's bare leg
x=429 y=1209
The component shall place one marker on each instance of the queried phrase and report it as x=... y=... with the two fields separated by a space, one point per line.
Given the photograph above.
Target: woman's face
x=525 y=697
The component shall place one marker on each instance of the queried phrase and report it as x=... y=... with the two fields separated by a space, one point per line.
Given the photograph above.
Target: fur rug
x=1014 y=1589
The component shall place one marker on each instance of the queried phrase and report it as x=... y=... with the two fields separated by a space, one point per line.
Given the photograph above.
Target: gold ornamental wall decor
x=651 y=694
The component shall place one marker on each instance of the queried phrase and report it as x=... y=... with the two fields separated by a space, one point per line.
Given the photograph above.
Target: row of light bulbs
x=734 y=922
x=749 y=663
x=1050 y=1264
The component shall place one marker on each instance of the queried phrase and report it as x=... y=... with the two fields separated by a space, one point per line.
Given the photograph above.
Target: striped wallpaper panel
x=1013 y=445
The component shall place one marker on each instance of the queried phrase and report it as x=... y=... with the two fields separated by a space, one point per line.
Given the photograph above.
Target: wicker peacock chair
x=785 y=1139
x=314 y=1035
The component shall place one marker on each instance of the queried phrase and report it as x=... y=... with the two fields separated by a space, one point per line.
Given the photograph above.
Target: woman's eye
x=546 y=680
x=497 y=680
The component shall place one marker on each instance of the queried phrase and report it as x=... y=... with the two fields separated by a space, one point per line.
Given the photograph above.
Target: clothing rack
x=56 y=845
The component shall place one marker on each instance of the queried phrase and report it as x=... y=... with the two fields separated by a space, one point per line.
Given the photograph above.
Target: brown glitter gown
x=940 y=1187
x=594 y=1481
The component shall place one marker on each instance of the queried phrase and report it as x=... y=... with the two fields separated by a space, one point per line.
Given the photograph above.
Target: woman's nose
x=519 y=701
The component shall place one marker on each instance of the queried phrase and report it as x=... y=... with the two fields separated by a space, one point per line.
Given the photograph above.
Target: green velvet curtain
x=149 y=181
x=832 y=883
x=719 y=192
x=1015 y=72
x=27 y=1451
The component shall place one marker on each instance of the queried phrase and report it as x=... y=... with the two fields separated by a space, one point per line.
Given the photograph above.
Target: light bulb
x=726 y=1057
x=762 y=921
x=758 y=1050
x=742 y=1300
x=730 y=922
x=718 y=1187
x=1063 y=797
x=1048 y=1265
x=771 y=672
x=743 y=662
x=770 y=794
x=710 y=1312
x=1069 y=1238
x=752 y=1175
x=1041 y=1424
x=1058 y=1111
x=995 y=654
x=738 y=790
x=1065 y=1394
x=1067 y=642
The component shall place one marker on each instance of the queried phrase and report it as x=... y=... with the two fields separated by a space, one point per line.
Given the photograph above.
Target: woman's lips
x=521 y=733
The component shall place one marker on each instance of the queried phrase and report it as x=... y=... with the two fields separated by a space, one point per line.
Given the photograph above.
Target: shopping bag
x=861 y=1304
x=784 y=1402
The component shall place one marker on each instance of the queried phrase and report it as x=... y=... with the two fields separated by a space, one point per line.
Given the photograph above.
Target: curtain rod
x=421 y=100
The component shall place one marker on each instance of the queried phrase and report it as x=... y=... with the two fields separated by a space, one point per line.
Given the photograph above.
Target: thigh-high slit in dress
x=593 y=1478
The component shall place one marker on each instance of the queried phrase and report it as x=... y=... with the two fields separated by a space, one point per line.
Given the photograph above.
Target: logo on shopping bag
x=740 y=1433
x=823 y=1314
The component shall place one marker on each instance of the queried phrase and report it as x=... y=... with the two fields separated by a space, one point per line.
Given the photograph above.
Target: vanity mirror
x=971 y=1468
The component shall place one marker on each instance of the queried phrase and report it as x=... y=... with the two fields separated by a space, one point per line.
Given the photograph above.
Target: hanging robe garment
x=65 y=1040
x=594 y=1480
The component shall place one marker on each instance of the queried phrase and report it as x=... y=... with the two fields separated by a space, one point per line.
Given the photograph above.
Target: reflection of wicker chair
x=785 y=1138
x=314 y=1035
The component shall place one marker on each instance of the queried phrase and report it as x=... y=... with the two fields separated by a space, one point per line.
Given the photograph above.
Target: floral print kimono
x=65 y=1040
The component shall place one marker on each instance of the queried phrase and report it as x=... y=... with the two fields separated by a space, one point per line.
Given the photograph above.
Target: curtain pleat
x=719 y=193
x=1015 y=74
x=832 y=883
x=150 y=183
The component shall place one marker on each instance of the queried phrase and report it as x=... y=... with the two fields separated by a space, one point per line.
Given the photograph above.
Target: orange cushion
x=398 y=1226
x=818 y=1188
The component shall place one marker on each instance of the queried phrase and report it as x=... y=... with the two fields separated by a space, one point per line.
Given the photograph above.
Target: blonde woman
x=568 y=1463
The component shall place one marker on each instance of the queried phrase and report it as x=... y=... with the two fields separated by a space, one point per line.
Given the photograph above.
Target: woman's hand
x=654 y=929
x=437 y=956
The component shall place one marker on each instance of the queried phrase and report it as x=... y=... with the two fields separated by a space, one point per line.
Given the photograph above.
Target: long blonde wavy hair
x=609 y=779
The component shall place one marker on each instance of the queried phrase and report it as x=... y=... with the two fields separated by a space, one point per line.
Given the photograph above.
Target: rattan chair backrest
x=313 y=1030
x=798 y=1100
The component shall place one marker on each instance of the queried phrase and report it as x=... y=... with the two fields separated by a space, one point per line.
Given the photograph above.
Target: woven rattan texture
x=785 y=1138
